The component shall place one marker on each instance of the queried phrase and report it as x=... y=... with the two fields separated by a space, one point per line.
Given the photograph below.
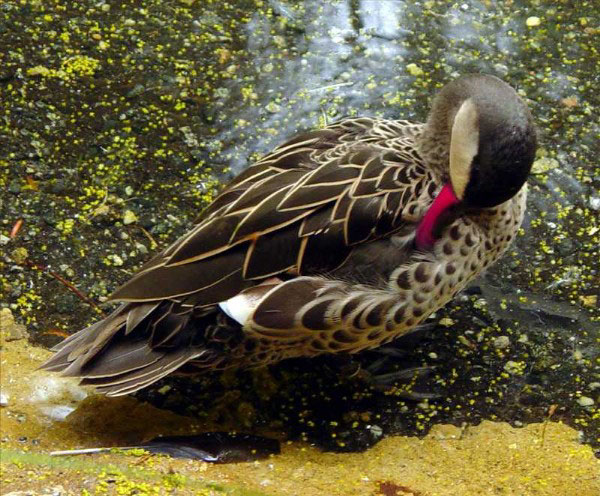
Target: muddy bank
x=537 y=459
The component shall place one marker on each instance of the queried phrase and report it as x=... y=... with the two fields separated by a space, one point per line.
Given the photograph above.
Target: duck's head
x=490 y=139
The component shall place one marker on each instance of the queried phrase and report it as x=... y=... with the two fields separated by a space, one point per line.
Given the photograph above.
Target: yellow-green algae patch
x=492 y=458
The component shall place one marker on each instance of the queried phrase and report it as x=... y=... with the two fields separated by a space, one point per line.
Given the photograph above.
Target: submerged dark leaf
x=215 y=447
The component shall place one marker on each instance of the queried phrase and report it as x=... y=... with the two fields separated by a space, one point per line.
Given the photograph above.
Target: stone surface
x=10 y=330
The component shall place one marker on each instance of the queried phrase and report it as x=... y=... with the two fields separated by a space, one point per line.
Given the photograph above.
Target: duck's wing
x=301 y=210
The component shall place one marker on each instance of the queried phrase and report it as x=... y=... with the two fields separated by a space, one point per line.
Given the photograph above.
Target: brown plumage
x=341 y=239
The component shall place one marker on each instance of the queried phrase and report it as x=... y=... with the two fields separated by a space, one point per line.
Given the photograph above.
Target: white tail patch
x=464 y=145
x=241 y=306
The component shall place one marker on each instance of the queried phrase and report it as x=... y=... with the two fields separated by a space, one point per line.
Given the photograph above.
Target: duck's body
x=340 y=240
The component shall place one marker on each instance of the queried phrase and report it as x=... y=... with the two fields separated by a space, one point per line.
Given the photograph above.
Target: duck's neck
x=434 y=145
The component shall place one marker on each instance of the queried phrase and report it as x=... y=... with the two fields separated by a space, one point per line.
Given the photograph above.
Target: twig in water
x=69 y=285
x=15 y=230
x=331 y=86
x=551 y=411
x=153 y=243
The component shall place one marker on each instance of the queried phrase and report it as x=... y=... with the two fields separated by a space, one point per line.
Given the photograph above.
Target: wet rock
x=53 y=390
x=137 y=90
x=445 y=431
x=14 y=186
x=19 y=255
x=9 y=329
x=585 y=401
x=66 y=303
x=337 y=47
x=501 y=342
x=129 y=217
x=544 y=165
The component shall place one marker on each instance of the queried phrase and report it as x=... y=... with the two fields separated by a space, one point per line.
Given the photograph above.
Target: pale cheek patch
x=464 y=145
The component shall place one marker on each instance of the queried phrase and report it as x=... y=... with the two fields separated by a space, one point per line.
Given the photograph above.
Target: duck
x=341 y=239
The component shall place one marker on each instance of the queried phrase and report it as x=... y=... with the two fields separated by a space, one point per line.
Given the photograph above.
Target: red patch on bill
x=446 y=199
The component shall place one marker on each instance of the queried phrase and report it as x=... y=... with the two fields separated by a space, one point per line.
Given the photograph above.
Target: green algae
x=122 y=478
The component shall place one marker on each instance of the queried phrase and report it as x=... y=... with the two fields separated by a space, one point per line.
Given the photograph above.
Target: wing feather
x=266 y=217
x=362 y=219
x=164 y=282
x=297 y=210
x=262 y=190
x=273 y=253
x=322 y=203
x=324 y=251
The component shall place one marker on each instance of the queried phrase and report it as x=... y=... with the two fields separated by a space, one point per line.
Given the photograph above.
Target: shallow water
x=118 y=122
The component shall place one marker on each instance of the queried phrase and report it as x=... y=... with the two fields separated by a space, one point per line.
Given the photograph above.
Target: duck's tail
x=136 y=345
